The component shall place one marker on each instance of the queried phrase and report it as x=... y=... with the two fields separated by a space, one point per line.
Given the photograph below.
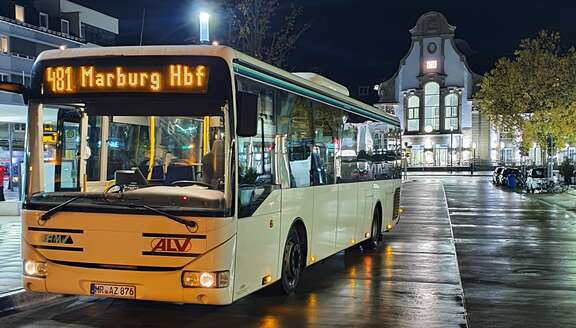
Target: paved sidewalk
x=566 y=200
x=10 y=262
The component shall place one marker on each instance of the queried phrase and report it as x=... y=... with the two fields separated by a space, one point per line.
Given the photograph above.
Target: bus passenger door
x=257 y=246
x=67 y=174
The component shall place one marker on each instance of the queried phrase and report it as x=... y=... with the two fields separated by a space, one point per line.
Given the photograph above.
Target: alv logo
x=180 y=245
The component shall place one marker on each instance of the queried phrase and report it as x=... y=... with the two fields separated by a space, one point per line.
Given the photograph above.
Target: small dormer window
x=65 y=26
x=19 y=13
x=431 y=64
x=43 y=22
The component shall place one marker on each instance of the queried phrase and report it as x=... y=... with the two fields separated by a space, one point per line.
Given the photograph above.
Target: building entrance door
x=417 y=158
x=441 y=156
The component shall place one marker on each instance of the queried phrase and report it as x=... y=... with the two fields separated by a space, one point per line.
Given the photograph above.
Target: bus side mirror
x=247 y=114
x=15 y=88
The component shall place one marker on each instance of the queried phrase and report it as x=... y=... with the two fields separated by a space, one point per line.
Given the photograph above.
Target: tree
x=532 y=94
x=262 y=29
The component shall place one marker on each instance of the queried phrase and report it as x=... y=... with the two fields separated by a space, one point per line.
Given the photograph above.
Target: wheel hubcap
x=292 y=265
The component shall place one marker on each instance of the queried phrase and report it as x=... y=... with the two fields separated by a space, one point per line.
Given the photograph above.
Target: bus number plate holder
x=111 y=290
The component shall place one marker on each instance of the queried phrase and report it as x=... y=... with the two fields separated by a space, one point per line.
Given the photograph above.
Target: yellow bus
x=195 y=174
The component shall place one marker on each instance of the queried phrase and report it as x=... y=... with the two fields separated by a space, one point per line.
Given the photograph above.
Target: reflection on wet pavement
x=517 y=256
x=411 y=281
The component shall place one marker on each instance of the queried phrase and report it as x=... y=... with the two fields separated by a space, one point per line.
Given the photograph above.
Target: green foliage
x=533 y=92
x=247 y=175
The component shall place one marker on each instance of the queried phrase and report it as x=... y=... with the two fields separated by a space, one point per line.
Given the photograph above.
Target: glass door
x=441 y=156
x=67 y=152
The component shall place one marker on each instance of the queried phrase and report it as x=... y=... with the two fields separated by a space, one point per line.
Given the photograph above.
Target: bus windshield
x=174 y=161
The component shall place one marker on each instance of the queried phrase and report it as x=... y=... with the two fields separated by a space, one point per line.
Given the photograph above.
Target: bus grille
x=396 y=203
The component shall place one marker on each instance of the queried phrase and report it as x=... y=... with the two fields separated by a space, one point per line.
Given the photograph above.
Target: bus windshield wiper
x=48 y=214
x=172 y=217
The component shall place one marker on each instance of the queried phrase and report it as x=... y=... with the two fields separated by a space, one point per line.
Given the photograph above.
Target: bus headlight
x=35 y=269
x=219 y=279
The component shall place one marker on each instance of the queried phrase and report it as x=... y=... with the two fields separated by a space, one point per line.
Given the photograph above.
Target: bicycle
x=555 y=188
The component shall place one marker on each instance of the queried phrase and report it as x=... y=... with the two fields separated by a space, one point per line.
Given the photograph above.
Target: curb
x=19 y=299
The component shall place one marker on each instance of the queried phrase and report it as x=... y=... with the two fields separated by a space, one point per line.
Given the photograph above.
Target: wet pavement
x=10 y=263
x=515 y=267
x=517 y=256
x=412 y=280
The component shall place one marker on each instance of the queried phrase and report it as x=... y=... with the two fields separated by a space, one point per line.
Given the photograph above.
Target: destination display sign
x=169 y=78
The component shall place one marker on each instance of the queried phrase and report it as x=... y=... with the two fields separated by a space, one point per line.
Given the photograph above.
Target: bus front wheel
x=292 y=262
x=375 y=231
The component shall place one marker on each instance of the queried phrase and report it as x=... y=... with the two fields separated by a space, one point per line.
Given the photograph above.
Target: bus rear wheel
x=292 y=262
x=375 y=231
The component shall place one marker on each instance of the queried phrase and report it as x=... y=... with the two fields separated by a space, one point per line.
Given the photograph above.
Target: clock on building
x=432 y=47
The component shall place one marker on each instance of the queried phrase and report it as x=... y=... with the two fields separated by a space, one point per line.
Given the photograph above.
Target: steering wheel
x=115 y=188
x=186 y=183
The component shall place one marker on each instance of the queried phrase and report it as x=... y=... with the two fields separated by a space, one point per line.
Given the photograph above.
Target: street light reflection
x=269 y=321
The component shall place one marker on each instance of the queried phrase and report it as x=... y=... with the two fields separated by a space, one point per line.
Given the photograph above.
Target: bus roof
x=241 y=63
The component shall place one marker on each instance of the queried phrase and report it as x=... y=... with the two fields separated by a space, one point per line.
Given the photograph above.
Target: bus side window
x=256 y=172
x=295 y=120
x=327 y=122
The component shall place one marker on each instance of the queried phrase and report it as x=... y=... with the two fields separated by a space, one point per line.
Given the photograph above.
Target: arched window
x=451 y=112
x=413 y=115
x=432 y=105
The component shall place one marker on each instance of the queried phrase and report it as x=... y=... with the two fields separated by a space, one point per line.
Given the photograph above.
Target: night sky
x=360 y=42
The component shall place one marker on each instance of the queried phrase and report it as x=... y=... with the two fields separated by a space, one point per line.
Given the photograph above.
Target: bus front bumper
x=148 y=285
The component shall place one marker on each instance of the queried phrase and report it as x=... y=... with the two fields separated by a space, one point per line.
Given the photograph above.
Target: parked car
x=536 y=179
x=496 y=174
x=507 y=173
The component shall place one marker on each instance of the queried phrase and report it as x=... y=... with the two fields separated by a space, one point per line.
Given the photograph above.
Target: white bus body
x=217 y=216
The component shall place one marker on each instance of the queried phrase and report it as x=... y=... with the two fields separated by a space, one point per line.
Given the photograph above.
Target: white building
x=432 y=94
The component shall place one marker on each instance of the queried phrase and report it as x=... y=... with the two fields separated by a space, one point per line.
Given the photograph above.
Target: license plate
x=110 y=290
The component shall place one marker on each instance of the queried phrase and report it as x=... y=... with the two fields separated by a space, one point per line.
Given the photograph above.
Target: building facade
x=432 y=94
x=27 y=28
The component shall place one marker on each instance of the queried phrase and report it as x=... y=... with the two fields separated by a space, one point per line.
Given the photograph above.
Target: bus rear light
x=35 y=269
x=219 y=279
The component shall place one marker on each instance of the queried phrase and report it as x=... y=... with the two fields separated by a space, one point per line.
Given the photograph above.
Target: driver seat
x=179 y=173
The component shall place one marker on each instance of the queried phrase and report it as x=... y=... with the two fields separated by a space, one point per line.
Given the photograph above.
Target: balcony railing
x=42 y=29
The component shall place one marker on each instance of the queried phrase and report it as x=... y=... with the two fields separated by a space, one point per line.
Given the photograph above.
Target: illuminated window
x=4 y=44
x=413 y=115
x=43 y=22
x=431 y=64
x=65 y=26
x=451 y=112
x=19 y=13
x=432 y=105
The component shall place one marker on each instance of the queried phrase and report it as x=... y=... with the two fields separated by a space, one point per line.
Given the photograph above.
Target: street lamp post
x=473 y=157
x=451 y=151
x=204 y=19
